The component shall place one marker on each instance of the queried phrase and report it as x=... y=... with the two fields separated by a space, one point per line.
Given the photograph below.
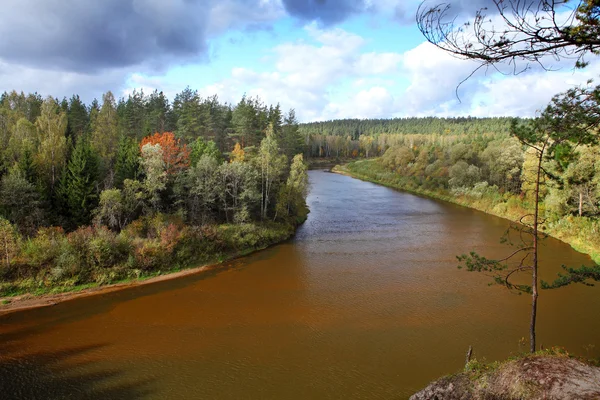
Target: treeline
x=107 y=191
x=372 y=137
x=500 y=166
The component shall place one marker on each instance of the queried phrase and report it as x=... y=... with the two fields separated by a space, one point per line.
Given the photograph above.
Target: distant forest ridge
x=411 y=125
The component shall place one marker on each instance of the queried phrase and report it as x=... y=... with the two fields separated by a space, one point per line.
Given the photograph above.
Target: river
x=365 y=302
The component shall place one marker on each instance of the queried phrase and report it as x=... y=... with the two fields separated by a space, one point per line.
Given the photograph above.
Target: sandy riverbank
x=30 y=301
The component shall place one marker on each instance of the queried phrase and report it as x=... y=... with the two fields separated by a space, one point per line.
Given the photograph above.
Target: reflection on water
x=365 y=302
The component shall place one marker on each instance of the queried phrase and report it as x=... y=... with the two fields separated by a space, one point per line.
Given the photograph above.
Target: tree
x=52 y=126
x=237 y=190
x=542 y=139
x=202 y=184
x=200 y=148
x=365 y=142
x=155 y=172
x=271 y=166
x=127 y=160
x=110 y=209
x=78 y=185
x=292 y=195
x=190 y=116
x=502 y=164
x=8 y=241
x=105 y=135
x=530 y=31
x=20 y=202
x=237 y=154
x=580 y=183
x=175 y=157
x=158 y=114
x=24 y=139
x=77 y=116
x=463 y=175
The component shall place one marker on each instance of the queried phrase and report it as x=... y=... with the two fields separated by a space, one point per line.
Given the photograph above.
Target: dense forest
x=121 y=189
x=352 y=138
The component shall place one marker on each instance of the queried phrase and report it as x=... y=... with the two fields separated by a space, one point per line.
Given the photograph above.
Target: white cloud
x=435 y=75
x=309 y=77
x=331 y=77
x=376 y=102
x=59 y=83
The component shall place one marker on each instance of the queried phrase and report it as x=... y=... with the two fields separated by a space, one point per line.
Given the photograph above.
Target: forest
x=99 y=193
x=352 y=138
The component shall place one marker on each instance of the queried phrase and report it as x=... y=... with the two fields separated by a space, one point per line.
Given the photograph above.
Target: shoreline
x=31 y=301
x=573 y=242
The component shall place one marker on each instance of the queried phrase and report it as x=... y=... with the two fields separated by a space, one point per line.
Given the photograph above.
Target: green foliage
x=155 y=173
x=582 y=275
x=200 y=148
x=127 y=160
x=110 y=211
x=20 y=201
x=97 y=255
x=51 y=157
x=78 y=185
x=8 y=242
x=105 y=133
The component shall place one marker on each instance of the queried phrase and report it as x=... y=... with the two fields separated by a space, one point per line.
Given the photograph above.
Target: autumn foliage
x=238 y=153
x=175 y=156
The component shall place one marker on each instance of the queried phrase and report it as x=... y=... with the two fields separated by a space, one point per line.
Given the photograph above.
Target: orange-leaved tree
x=175 y=156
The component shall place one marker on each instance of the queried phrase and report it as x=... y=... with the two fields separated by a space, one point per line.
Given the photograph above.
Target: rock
x=532 y=377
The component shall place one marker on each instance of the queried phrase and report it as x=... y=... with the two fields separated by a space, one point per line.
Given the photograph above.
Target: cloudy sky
x=325 y=58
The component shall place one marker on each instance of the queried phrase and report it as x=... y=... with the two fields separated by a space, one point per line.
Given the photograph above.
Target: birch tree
x=52 y=126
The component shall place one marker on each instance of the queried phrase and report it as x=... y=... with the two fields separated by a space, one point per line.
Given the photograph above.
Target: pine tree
x=127 y=160
x=78 y=117
x=79 y=184
x=291 y=139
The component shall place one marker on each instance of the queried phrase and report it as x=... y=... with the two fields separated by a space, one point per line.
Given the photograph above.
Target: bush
x=150 y=255
x=44 y=249
x=107 y=249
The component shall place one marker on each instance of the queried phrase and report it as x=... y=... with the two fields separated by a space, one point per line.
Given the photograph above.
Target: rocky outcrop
x=528 y=378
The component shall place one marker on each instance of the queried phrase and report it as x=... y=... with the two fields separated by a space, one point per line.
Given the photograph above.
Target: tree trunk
x=534 y=274
x=580 y=203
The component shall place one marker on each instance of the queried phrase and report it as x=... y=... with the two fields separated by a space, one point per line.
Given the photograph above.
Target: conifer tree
x=79 y=183
x=127 y=160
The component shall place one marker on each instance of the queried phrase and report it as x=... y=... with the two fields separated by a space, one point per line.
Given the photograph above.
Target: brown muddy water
x=365 y=303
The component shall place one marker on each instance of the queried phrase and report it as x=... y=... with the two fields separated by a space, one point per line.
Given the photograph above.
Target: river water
x=365 y=302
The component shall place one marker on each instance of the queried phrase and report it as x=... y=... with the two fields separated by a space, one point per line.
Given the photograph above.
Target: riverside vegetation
x=105 y=193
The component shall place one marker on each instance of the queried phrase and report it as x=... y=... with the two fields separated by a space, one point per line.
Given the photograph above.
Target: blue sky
x=326 y=59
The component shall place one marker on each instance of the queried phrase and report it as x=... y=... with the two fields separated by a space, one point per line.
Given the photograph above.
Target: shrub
x=150 y=255
x=106 y=249
x=43 y=250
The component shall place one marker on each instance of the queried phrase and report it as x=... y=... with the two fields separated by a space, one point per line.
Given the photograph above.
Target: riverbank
x=581 y=233
x=179 y=251
x=545 y=375
x=327 y=163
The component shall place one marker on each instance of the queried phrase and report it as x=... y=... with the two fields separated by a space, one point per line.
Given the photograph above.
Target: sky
x=327 y=59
